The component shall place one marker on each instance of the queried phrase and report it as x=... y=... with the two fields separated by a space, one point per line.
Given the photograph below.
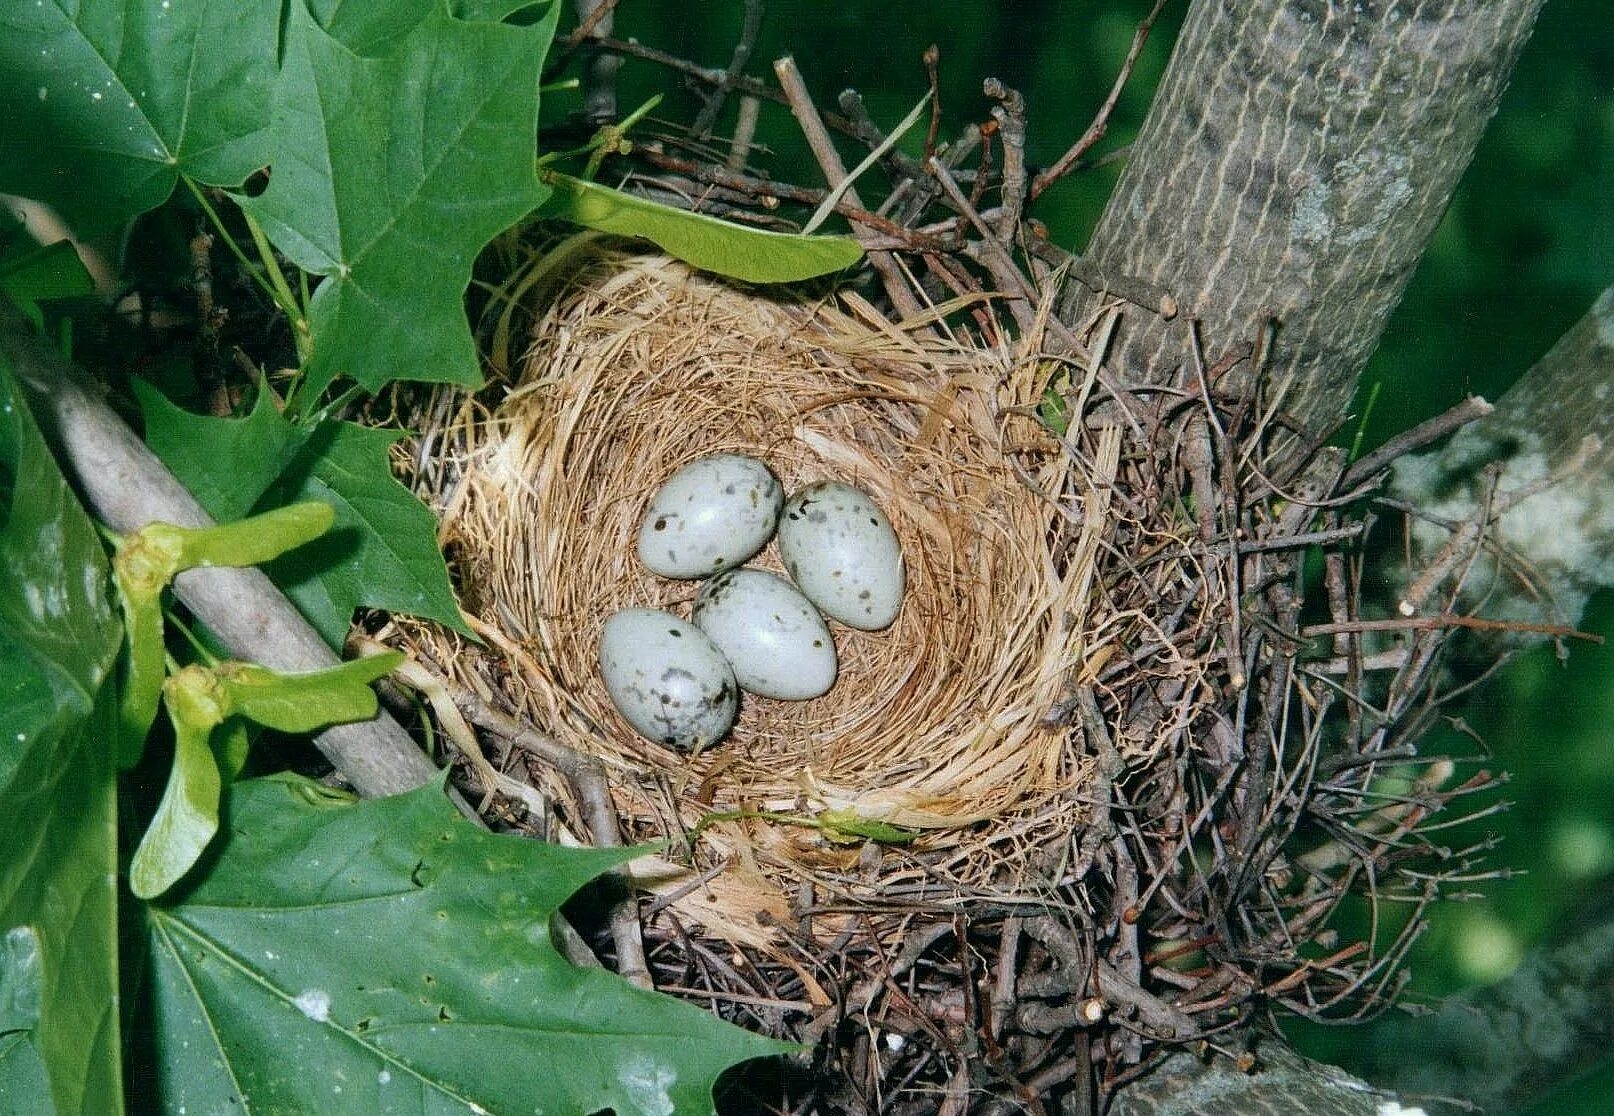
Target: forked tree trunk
x=1290 y=173
x=1288 y=179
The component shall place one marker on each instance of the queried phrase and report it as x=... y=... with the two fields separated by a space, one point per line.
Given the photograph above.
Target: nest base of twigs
x=1138 y=786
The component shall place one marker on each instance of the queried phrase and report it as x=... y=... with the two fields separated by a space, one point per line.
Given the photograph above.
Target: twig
x=1466 y=541
x=1003 y=986
x=745 y=130
x=845 y=186
x=1010 y=114
x=898 y=163
x=916 y=240
x=599 y=71
x=1149 y=296
x=593 y=15
x=743 y=47
x=823 y=149
x=996 y=257
x=932 y=60
x=1450 y=620
x=1101 y=122
x=1370 y=465
x=439 y=696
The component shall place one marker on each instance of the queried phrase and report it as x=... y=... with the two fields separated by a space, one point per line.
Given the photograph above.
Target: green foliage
x=59 y=640
x=107 y=103
x=390 y=173
x=382 y=552
x=753 y=255
x=377 y=146
x=34 y=273
x=146 y=563
x=387 y=956
x=207 y=706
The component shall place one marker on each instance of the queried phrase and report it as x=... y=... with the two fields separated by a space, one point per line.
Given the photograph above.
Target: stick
x=1010 y=114
x=1101 y=122
x=1450 y=620
x=1371 y=464
x=823 y=149
x=745 y=131
x=599 y=71
x=125 y=486
x=742 y=54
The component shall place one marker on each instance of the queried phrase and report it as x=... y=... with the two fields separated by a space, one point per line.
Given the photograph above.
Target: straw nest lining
x=937 y=723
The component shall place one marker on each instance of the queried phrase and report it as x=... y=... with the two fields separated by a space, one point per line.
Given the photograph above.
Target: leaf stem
x=229 y=241
x=606 y=140
x=284 y=298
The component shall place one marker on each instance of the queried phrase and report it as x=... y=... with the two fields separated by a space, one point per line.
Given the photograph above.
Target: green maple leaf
x=59 y=640
x=381 y=552
x=389 y=174
x=387 y=956
x=107 y=103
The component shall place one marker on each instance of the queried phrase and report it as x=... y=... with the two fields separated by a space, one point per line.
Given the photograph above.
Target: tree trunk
x=1289 y=176
x=1291 y=172
x=1557 y=420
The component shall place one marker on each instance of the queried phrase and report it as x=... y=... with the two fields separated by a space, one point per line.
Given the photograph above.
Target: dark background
x=1526 y=246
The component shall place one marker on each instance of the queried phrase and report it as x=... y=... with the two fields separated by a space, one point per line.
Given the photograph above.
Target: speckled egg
x=667 y=679
x=711 y=515
x=773 y=636
x=840 y=549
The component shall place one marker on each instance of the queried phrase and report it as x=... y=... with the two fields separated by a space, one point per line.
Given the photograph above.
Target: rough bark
x=1561 y=540
x=1292 y=169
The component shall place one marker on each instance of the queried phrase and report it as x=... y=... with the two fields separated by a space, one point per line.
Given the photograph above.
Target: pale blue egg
x=667 y=679
x=844 y=555
x=709 y=516
x=773 y=636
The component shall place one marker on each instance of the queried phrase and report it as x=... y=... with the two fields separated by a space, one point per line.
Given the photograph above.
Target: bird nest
x=1097 y=778
x=941 y=740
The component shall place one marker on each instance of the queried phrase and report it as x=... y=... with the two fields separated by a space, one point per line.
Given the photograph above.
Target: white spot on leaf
x=647 y=1084
x=314 y=1003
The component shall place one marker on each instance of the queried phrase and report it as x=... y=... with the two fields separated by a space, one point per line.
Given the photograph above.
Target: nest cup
x=939 y=724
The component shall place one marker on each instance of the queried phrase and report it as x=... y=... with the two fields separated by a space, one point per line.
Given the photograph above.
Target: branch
x=124 y=486
x=1293 y=167
x=1557 y=420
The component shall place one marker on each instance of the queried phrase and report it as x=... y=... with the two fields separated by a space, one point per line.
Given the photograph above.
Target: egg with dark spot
x=844 y=554
x=774 y=638
x=668 y=679
x=710 y=516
